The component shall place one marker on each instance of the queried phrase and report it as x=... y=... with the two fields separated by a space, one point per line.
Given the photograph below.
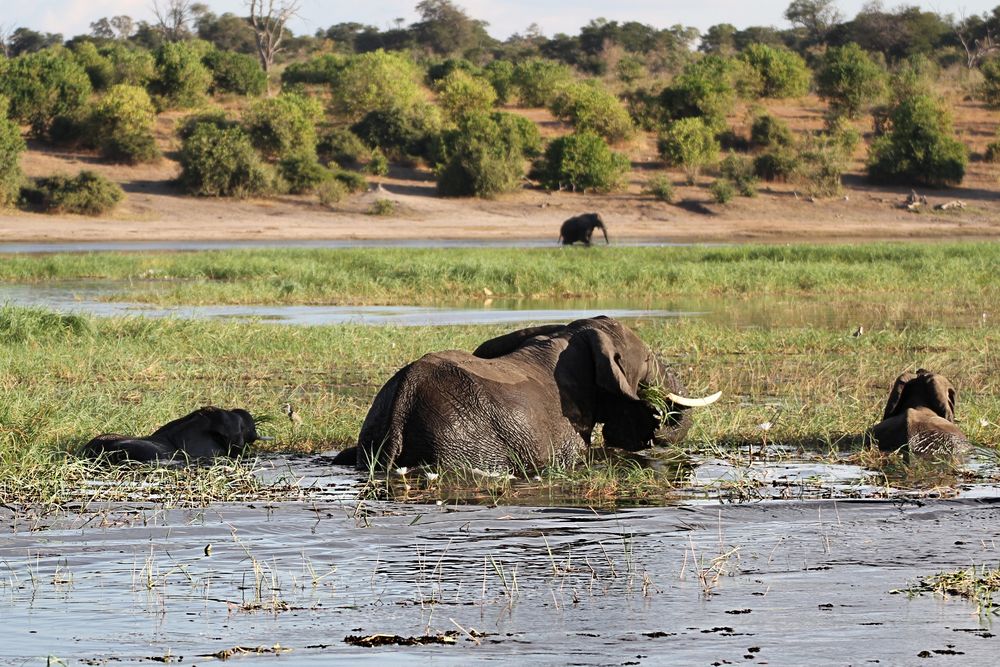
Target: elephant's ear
x=896 y=394
x=609 y=374
x=944 y=396
x=502 y=345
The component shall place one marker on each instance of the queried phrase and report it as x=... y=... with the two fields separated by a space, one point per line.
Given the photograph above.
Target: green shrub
x=283 y=125
x=590 y=107
x=379 y=163
x=722 y=190
x=739 y=170
x=480 y=159
x=235 y=73
x=992 y=153
x=99 y=67
x=766 y=131
x=843 y=135
x=660 y=187
x=87 y=193
x=44 y=85
x=914 y=76
x=302 y=172
x=439 y=71
x=500 y=74
x=221 y=162
x=331 y=191
x=216 y=117
x=318 y=70
x=582 y=161
x=630 y=69
x=520 y=132
x=382 y=207
x=341 y=146
x=134 y=66
x=822 y=164
x=401 y=132
x=920 y=148
x=777 y=164
x=644 y=108
x=989 y=90
x=182 y=80
x=123 y=125
x=782 y=73
x=539 y=80
x=459 y=93
x=849 y=80
x=11 y=147
x=375 y=81
x=689 y=143
x=705 y=89
x=352 y=180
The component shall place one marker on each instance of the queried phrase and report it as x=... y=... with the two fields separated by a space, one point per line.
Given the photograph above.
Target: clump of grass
x=660 y=187
x=978 y=584
x=382 y=207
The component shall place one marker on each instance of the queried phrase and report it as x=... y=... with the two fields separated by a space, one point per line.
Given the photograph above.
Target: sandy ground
x=154 y=209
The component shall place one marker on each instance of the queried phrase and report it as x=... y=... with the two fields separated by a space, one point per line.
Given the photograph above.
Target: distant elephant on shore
x=580 y=228
x=207 y=432
x=919 y=415
x=524 y=400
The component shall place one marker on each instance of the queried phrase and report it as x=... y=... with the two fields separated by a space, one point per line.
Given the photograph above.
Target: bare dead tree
x=268 y=19
x=976 y=47
x=172 y=18
x=6 y=31
x=123 y=25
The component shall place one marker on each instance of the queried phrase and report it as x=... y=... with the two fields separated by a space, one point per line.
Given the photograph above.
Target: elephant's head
x=922 y=389
x=210 y=431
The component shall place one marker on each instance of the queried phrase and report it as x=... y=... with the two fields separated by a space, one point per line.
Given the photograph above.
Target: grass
x=65 y=378
x=977 y=584
x=411 y=275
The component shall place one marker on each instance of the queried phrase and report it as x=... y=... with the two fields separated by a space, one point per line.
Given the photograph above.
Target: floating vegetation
x=978 y=584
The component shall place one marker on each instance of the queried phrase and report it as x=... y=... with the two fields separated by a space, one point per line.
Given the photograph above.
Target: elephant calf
x=580 y=228
x=205 y=433
x=919 y=416
x=522 y=401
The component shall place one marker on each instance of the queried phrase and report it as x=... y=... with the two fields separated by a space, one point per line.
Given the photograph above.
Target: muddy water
x=786 y=583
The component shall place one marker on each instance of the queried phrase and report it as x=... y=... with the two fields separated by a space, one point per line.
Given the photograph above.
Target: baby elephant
x=920 y=416
x=205 y=433
x=581 y=228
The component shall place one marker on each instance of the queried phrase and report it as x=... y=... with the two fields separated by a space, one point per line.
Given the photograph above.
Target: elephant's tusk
x=694 y=402
x=265 y=438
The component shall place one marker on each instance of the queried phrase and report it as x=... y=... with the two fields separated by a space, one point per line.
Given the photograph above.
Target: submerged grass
x=408 y=275
x=977 y=584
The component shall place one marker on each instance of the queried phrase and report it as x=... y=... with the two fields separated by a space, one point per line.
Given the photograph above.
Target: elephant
x=524 y=400
x=919 y=416
x=207 y=432
x=581 y=228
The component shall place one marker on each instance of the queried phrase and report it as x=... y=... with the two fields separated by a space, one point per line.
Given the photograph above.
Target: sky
x=505 y=17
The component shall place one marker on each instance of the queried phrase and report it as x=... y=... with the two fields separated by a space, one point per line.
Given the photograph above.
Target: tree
x=123 y=125
x=123 y=26
x=461 y=94
x=581 y=161
x=173 y=17
x=444 y=28
x=268 y=18
x=228 y=33
x=588 y=105
x=782 y=72
x=816 y=17
x=978 y=35
x=11 y=147
x=849 y=79
x=689 y=143
x=373 y=81
x=44 y=85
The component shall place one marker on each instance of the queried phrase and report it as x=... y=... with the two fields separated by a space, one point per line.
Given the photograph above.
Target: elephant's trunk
x=604 y=230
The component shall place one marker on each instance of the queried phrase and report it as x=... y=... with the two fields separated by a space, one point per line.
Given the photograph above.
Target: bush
x=822 y=166
x=401 y=132
x=376 y=81
x=352 y=180
x=215 y=117
x=989 y=91
x=704 y=89
x=590 y=107
x=479 y=159
x=660 y=187
x=500 y=74
x=843 y=135
x=460 y=93
x=221 y=162
x=582 y=161
x=134 y=66
x=782 y=73
x=283 y=125
x=87 y=193
x=302 y=172
x=992 y=153
x=914 y=76
x=322 y=69
x=382 y=207
x=11 y=147
x=777 y=164
x=99 y=68
x=44 y=85
x=235 y=73
x=919 y=149
x=644 y=108
x=849 y=80
x=331 y=191
x=379 y=163
x=520 y=132
x=539 y=80
x=182 y=80
x=722 y=190
x=766 y=131
x=123 y=125
x=443 y=69
x=739 y=170
x=690 y=143
x=341 y=146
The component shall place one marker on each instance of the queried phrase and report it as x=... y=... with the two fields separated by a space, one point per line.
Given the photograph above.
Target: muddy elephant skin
x=206 y=433
x=919 y=415
x=580 y=228
x=521 y=401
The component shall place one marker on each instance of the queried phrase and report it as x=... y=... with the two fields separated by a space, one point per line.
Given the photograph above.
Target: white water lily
x=984 y=422
x=766 y=426
x=402 y=471
x=431 y=476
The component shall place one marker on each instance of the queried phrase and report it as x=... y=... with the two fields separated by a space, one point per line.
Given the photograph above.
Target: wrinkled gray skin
x=206 y=433
x=522 y=401
x=919 y=416
x=580 y=228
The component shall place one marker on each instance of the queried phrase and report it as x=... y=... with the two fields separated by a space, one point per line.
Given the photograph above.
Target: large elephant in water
x=919 y=415
x=206 y=433
x=524 y=400
x=580 y=228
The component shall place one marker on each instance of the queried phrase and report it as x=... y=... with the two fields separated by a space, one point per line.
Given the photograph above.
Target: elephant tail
x=380 y=442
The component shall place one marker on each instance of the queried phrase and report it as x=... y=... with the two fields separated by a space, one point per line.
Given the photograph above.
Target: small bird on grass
x=293 y=416
x=859 y=332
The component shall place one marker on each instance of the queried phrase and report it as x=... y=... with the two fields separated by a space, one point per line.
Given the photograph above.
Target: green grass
x=406 y=275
